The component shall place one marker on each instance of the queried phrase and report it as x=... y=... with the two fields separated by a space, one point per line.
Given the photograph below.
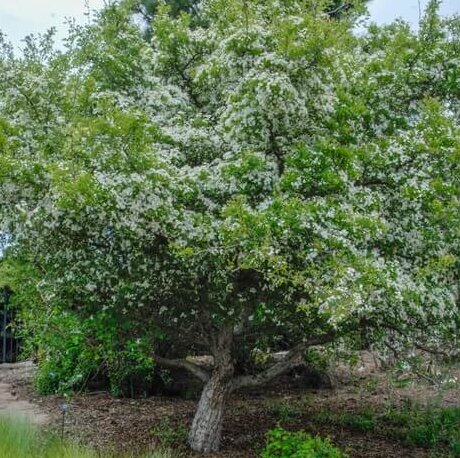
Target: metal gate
x=9 y=345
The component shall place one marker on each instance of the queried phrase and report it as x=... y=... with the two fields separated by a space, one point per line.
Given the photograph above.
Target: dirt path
x=10 y=404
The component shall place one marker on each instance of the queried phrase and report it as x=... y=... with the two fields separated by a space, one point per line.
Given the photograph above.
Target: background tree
x=147 y=9
x=269 y=176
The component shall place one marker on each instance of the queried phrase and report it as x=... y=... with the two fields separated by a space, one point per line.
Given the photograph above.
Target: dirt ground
x=136 y=424
x=11 y=405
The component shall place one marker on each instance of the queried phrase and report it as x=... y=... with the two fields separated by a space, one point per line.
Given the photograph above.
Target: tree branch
x=242 y=321
x=194 y=369
x=419 y=345
x=292 y=359
x=436 y=351
x=338 y=10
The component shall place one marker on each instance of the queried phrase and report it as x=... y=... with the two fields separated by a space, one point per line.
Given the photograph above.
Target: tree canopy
x=268 y=176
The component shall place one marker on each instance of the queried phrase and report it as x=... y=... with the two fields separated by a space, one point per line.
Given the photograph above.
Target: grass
x=431 y=428
x=435 y=428
x=21 y=440
x=364 y=422
x=285 y=411
x=167 y=434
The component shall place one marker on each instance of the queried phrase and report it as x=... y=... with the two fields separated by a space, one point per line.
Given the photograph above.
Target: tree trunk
x=207 y=425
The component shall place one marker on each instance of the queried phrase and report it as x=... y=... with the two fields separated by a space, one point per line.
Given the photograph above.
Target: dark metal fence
x=9 y=345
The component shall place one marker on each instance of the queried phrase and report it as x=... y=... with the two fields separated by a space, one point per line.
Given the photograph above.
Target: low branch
x=421 y=346
x=194 y=369
x=436 y=351
x=293 y=358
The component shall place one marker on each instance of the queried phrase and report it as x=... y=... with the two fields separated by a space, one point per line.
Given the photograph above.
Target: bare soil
x=12 y=377
x=133 y=424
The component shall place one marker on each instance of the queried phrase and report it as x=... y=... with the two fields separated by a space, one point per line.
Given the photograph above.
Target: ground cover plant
x=434 y=428
x=261 y=179
x=21 y=440
x=284 y=444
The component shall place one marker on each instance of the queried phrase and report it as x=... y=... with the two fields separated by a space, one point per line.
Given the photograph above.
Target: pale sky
x=387 y=10
x=21 y=17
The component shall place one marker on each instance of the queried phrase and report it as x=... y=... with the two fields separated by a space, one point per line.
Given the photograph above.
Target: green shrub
x=72 y=351
x=73 y=345
x=284 y=444
x=65 y=361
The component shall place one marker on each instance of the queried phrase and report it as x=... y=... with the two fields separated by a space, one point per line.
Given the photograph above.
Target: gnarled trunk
x=207 y=425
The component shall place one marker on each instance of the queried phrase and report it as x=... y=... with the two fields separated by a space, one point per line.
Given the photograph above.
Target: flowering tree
x=269 y=176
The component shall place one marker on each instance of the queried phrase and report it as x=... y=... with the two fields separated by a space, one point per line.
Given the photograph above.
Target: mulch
x=123 y=424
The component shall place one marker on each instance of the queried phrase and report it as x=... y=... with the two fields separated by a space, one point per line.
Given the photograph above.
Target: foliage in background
x=72 y=352
x=146 y=10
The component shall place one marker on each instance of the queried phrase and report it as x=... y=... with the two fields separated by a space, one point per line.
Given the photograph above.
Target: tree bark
x=206 y=430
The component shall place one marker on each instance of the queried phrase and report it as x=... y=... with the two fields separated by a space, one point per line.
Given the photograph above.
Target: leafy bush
x=65 y=359
x=284 y=444
x=317 y=360
x=70 y=351
x=71 y=348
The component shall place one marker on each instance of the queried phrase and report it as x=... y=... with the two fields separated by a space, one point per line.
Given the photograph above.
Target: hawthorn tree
x=271 y=176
